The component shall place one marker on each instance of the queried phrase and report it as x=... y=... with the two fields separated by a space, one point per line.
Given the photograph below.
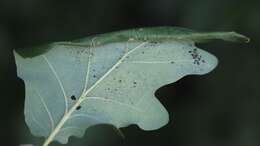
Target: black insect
x=73 y=97
x=78 y=107
x=196 y=57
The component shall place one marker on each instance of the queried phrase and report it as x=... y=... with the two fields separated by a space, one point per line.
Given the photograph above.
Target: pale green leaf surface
x=113 y=76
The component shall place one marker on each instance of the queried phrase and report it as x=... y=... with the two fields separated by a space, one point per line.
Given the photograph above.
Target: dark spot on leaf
x=135 y=82
x=120 y=81
x=143 y=52
x=73 y=97
x=94 y=76
x=153 y=43
x=172 y=62
x=78 y=107
x=196 y=57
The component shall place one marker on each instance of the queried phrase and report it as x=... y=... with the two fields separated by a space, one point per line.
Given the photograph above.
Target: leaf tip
x=236 y=37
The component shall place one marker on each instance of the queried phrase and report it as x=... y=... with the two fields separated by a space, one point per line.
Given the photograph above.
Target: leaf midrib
x=84 y=95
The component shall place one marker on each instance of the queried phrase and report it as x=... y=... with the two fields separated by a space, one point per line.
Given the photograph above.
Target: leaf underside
x=109 y=78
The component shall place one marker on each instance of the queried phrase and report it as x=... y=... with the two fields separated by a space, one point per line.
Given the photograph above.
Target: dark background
x=219 y=109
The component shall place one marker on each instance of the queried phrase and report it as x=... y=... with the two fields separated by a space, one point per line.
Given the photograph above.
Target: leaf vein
x=112 y=68
x=59 y=81
x=71 y=127
x=37 y=122
x=85 y=115
x=88 y=72
x=46 y=109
